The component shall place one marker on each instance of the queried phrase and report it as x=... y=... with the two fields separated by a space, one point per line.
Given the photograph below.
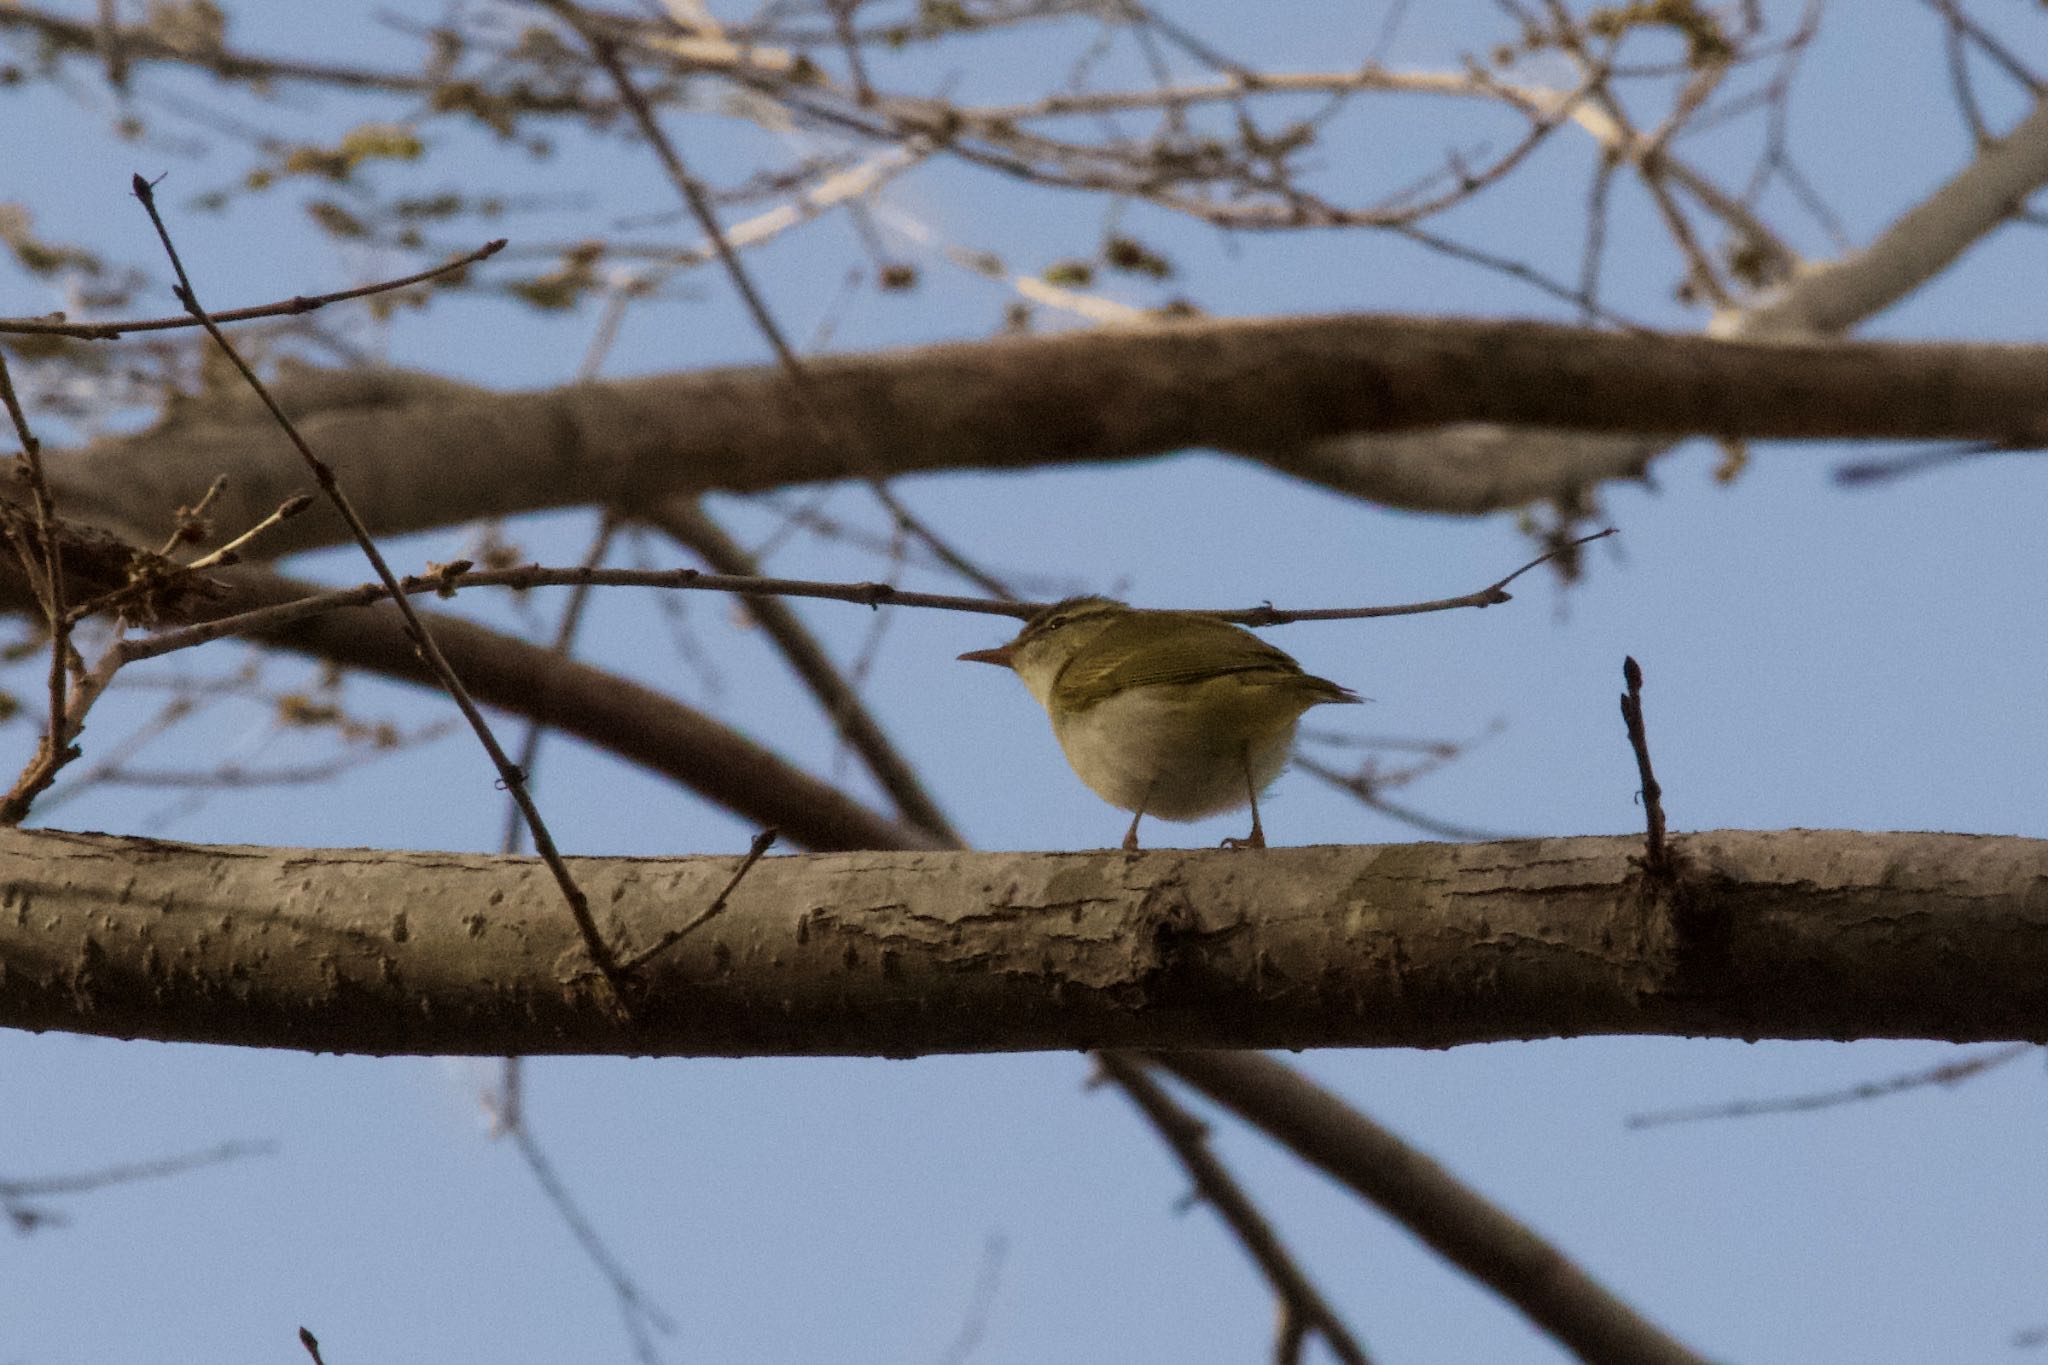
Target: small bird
x=1166 y=713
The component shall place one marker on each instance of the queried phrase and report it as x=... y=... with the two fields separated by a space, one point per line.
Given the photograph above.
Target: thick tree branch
x=1820 y=935
x=1475 y=468
x=418 y=452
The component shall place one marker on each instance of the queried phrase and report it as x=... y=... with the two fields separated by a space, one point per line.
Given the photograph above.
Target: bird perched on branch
x=1164 y=713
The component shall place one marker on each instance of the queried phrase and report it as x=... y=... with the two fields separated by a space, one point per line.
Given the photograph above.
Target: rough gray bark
x=1797 y=934
x=416 y=452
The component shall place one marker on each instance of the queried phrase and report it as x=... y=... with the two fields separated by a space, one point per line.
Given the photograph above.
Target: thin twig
x=1493 y=594
x=291 y=307
x=1188 y=1137
x=1857 y=473
x=635 y=1309
x=128 y=1173
x=1948 y=1073
x=46 y=566
x=1368 y=793
x=974 y=1322
x=543 y=843
x=762 y=843
x=228 y=553
x=192 y=520
x=459 y=575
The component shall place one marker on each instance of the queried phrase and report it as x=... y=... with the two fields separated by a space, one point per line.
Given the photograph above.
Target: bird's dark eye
x=1056 y=622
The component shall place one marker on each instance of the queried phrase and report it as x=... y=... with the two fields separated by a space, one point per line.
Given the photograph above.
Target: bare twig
x=635 y=1309
x=46 y=571
x=192 y=527
x=974 y=1322
x=1656 y=857
x=762 y=843
x=1948 y=1073
x=459 y=575
x=228 y=553
x=291 y=307
x=1371 y=795
x=1860 y=473
x=127 y=1173
x=544 y=844
x=1493 y=594
x=1188 y=1137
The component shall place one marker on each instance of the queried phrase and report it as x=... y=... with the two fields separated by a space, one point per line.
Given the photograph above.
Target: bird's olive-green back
x=1148 y=648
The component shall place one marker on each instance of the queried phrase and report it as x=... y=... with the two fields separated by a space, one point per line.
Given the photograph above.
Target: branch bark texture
x=417 y=452
x=1796 y=934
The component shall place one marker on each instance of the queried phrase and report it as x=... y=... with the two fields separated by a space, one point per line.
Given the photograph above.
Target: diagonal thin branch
x=1493 y=1247
x=579 y=906
x=1188 y=1138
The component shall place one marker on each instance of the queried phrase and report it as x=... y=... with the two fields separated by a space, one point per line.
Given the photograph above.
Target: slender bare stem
x=291 y=307
x=46 y=568
x=459 y=575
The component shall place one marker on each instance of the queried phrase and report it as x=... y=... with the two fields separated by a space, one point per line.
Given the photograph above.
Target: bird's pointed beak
x=1001 y=656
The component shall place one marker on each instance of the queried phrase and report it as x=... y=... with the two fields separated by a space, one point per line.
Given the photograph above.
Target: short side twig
x=1656 y=855
x=231 y=552
x=1493 y=594
x=762 y=843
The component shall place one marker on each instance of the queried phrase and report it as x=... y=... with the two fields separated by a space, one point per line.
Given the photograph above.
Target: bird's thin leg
x=1257 y=838
x=1131 y=834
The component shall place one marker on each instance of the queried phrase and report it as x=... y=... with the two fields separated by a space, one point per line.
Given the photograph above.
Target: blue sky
x=1816 y=656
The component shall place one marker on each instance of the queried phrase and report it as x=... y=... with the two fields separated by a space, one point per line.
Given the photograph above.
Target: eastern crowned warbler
x=1164 y=713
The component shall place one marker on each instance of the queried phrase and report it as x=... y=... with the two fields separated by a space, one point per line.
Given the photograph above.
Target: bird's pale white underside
x=1161 y=749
